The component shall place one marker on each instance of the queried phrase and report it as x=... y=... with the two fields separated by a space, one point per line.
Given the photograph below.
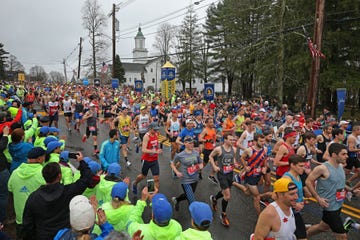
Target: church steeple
x=140 y=52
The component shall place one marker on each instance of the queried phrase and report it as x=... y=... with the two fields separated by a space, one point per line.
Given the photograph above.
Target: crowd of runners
x=58 y=194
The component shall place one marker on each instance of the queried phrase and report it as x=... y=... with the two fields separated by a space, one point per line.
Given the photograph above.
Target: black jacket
x=47 y=209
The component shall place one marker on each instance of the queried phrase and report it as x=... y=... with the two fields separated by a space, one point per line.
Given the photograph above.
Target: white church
x=148 y=68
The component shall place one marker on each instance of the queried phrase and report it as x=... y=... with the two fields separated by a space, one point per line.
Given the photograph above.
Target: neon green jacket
x=54 y=157
x=151 y=231
x=31 y=131
x=191 y=234
x=23 y=181
x=67 y=175
x=39 y=142
x=103 y=191
x=119 y=217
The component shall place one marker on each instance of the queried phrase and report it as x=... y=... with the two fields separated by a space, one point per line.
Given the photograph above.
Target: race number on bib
x=193 y=169
x=340 y=195
x=228 y=168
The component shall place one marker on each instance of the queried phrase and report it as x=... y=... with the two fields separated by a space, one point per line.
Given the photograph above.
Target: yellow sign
x=21 y=76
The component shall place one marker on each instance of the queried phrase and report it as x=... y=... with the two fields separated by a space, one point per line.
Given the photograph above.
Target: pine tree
x=119 y=70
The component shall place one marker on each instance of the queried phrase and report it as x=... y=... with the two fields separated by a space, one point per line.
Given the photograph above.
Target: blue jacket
x=109 y=153
x=19 y=152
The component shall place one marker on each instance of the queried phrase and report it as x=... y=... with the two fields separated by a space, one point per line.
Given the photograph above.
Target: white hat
x=82 y=214
x=189 y=121
x=343 y=122
x=262 y=110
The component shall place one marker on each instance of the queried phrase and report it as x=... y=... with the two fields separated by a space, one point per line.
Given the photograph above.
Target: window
x=129 y=79
x=151 y=70
x=201 y=81
x=194 y=81
x=153 y=80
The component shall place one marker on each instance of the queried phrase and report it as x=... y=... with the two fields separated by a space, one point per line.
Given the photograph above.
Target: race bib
x=228 y=168
x=193 y=169
x=92 y=129
x=257 y=171
x=340 y=195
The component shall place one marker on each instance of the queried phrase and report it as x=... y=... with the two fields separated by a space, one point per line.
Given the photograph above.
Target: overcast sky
x=44 y=32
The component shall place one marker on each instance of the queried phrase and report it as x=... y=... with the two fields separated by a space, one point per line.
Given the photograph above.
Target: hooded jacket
x=19 y=152
x=191 y=234
x=23 y=181
x=152 y=231
x=47 y=209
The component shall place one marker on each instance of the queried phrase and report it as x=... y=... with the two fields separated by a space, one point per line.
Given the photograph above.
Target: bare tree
x=14 y=65
x=164 y=40
x=38 y=73
x=57 y=77
x=94 y=20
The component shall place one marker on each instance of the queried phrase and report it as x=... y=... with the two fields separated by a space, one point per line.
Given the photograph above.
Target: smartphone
x=151 y=185
x=73 y=155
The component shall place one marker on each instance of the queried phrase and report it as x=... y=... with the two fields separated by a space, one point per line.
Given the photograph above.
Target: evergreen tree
x=119 y=70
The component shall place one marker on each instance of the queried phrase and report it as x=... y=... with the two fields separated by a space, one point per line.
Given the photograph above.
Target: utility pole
x=64 y=62
x=315 y=65
x=80 y=48
x=113 y=41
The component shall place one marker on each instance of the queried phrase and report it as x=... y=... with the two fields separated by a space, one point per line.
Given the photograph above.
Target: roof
x=139 y=34
x=134 y=67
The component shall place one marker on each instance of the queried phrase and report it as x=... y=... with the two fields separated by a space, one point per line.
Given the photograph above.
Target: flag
x=314 y=51
x=104 y=67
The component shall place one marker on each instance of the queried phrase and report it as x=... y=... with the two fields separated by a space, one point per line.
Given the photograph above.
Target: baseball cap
x=119 y=190
x=343 y=122
x=142 y=107
x=284 y=185
x=201 y=213
x=262 y=110
x=162 y=209
x=296 y=124
x=94 y=166
x=36 y=152
x=189 y=121
x=52 y=146
x=49 y=139
x=82 y=214
x=44 y=130
x=114 y=169
x=154 y=126
x=54 y=129
x=45 y=119
x=64 y=156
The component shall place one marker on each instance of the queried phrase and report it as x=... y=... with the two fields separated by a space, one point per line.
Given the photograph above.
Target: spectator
x=110 y=152
x=18 y=149
x=46 y=210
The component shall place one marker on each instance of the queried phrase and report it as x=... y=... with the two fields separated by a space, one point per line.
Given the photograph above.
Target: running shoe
x=175 y=203
x=134 y=188
x=84 y=138
x=347 y=224
x=128 y=163
x=224 y=220
x=213 y=203
x=213 y=179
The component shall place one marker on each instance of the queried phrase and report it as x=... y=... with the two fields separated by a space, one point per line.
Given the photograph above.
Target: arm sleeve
x=3 y=143
x=28 y=221
x=80 y=185
x=103 y=161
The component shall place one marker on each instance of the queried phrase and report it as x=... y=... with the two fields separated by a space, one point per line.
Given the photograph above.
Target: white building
x=149 y=69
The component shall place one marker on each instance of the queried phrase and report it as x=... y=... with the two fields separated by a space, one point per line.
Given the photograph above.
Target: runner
x=254 y=161
x=68 y=104
x=190 y=165
x=150 y=154
x=281 y=160
x=141 y=125
x=91 y=127
x=172 y=129
x=124 y=126
x=353 y=161
x=226 y=160
x=277 y=220
x=330 y=191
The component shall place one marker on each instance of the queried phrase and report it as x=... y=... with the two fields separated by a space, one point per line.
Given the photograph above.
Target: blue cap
x=200 y=212
x=162 y=209
x=52 y=146
x=49 y=139
x=54 y=129
x=44 y=130
x=3 y=95
x=64 y=155
x=94 y=166
x=119 y=190
x=114 y=169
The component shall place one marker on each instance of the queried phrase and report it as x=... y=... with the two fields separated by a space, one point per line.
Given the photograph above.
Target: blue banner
x=209 y=93
x=163 y=74
x=341 y=96
x=85 y=82
x=115 y=83
x=170 y=74
x=138 y=86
